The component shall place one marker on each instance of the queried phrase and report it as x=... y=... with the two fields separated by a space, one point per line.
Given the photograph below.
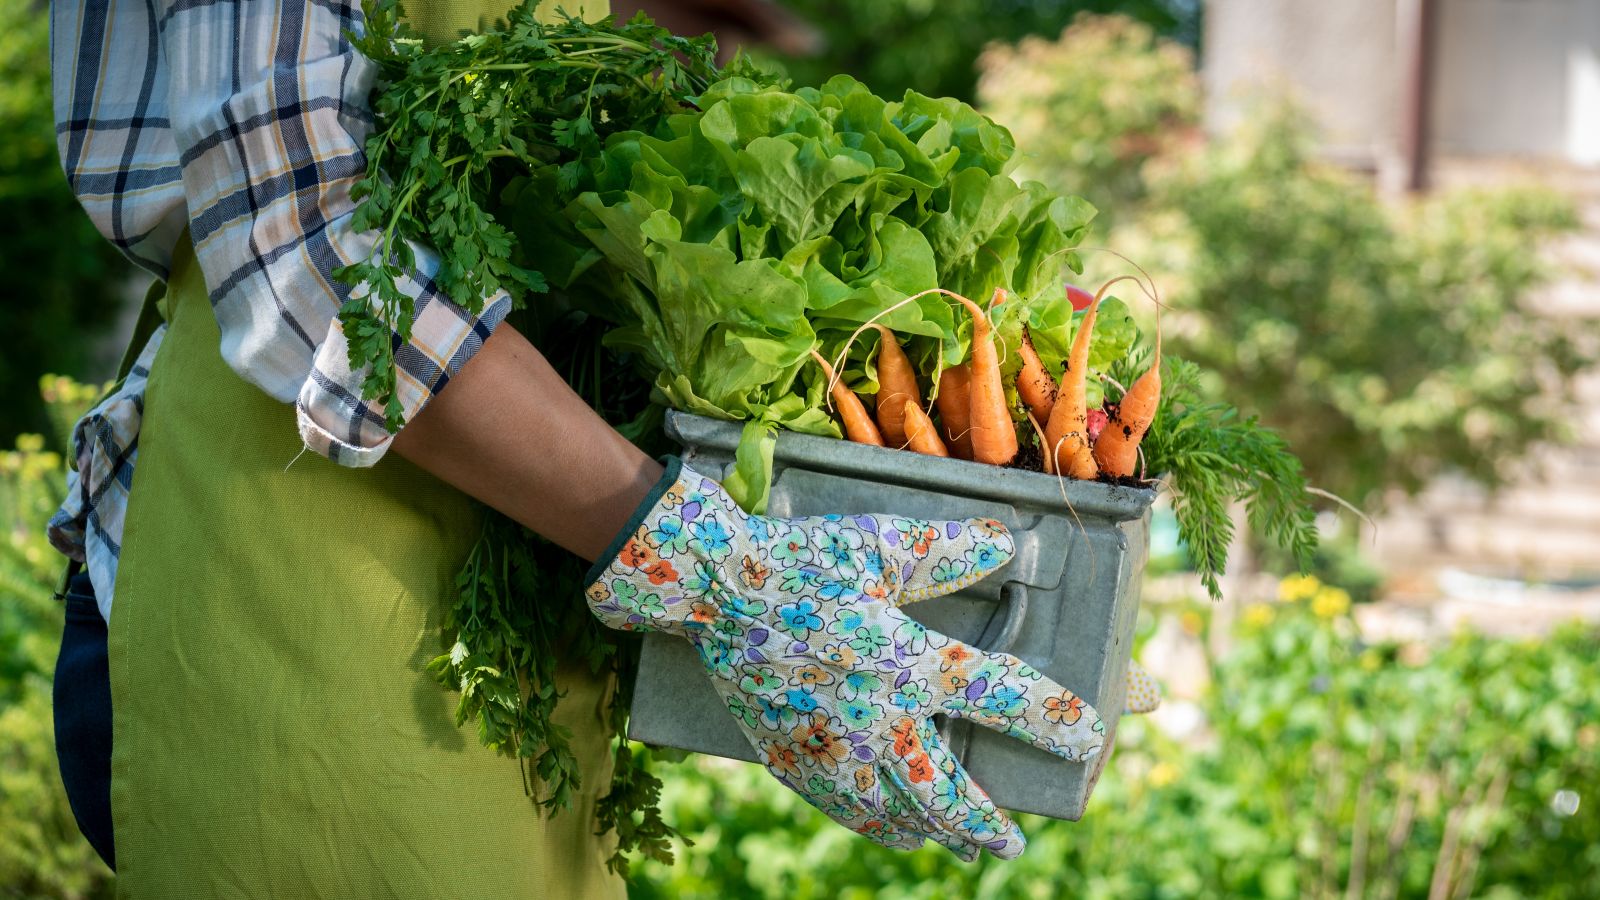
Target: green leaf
x=797 y=185
x=750 y=482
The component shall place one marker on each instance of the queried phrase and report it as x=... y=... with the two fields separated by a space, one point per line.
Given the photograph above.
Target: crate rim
x=1114 y=503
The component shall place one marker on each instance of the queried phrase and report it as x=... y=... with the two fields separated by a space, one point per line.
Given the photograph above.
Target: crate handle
x=1014 y=594
x=957 y=734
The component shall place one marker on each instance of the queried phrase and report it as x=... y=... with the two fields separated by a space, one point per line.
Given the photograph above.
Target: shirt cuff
x=337 y=422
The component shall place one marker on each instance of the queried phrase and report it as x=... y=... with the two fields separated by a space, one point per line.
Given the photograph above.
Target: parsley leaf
x=454 y=122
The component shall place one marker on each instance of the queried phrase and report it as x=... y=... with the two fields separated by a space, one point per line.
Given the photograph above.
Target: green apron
x=275 y=731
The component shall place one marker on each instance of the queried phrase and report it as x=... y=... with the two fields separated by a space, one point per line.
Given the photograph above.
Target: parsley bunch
x=457 y=126
x=455 y=123
x=509 y=637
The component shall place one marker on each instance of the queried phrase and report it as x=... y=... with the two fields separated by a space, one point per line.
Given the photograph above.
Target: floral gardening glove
x=796 y=623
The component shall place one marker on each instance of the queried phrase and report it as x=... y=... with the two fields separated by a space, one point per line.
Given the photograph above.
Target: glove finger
x=958 y=805
x=851 y=798
x=885 y=831
x=915 y=814
x=1144 y=694
x=1001 y=692
x=959 y=814
x=926 y=559
x=886 y=821
x=852 y=810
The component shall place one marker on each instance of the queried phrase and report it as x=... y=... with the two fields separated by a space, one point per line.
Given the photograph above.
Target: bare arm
x=510 y=432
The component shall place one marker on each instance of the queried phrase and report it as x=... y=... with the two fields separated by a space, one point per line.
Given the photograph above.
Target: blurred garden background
x=1377 y=223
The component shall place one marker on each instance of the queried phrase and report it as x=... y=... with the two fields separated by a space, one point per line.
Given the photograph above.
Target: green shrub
x=1091 y=107
x=931 y=46
x=41 y=852
x=1390 y=345
x=1389 y=342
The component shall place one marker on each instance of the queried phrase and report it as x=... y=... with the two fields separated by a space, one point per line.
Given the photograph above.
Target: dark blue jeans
x=83 y=717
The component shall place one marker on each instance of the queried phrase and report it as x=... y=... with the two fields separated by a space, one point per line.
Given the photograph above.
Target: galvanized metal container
x=1066 y=604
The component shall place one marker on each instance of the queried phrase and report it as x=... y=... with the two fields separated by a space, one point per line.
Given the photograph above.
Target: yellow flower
x=1330 y=602
x=1191 y=622
x=1589 y=735
x=1298 y=587
x=1370 y=661
x=1258 y=615
x=1163 y=774
x=30 y=443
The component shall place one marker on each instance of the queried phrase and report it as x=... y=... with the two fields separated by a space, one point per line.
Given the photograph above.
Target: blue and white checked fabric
x=243 y=121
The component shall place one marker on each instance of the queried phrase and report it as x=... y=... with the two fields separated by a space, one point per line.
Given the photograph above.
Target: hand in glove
x=797 y=625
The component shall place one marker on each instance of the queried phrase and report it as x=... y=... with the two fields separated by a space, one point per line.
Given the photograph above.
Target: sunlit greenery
x=932 y=46
x=1090 y=107
x=1390 y=345
x=1389 y=341
x=41 y=852
x=62 y=279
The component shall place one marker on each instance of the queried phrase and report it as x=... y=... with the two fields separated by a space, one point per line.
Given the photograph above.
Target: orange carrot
x=858 y=425
x=1034 y=384
x=994 y=438
x=955 y=384
x=1117 y=450
x=1066 y=434
x=921 y=436
x=897 y=385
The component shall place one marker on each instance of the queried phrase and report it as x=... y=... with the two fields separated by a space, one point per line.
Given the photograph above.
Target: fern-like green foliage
x=1211 y=457
x=453 y=120
x=515 y=617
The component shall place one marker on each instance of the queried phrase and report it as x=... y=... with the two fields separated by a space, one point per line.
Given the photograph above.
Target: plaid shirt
x=243 y=122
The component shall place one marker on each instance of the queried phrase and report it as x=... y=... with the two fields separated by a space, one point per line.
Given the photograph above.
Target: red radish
x=1097 y=423
x=1079 y=298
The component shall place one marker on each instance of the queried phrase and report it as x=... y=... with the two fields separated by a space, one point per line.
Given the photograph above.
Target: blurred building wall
x=1514 y=97
x=1518 y=78
x=1509 y=77
x=1338 y=58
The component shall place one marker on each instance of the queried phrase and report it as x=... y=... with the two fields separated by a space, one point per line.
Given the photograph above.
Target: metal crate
x=1066 y=604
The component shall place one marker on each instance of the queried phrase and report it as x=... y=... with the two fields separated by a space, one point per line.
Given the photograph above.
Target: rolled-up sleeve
x=269 y=107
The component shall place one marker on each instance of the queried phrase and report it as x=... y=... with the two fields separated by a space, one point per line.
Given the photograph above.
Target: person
x=254 y=619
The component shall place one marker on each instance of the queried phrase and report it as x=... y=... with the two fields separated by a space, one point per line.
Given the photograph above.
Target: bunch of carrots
x=976 y=418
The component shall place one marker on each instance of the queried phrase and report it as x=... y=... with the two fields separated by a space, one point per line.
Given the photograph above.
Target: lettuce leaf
x=730 y=242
